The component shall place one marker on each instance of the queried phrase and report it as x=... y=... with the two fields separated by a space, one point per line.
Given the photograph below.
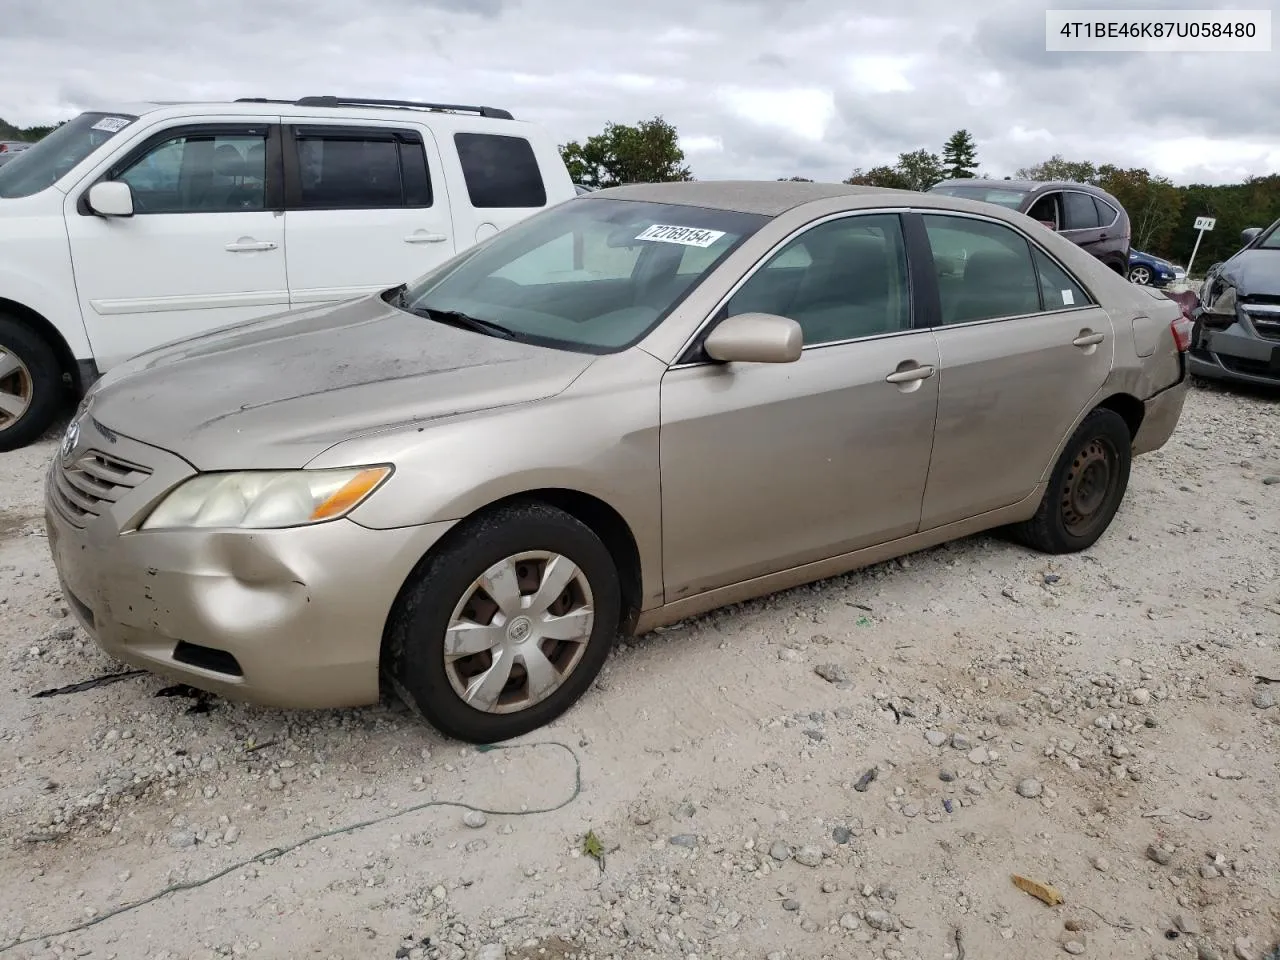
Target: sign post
x=1203 y=224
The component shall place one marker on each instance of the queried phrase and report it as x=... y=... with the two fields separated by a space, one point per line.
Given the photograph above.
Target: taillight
x=1182 y=328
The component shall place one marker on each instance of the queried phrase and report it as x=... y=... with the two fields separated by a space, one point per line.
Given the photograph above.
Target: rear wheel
x=31 y=388
x=1085 y=489
x=505 y=628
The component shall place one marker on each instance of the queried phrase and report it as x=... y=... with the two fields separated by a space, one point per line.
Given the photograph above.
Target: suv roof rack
x=494 y=113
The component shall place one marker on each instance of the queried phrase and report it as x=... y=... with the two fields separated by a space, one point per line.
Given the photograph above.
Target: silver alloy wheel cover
x=13 y=405
x=519 y=631
x=1142 y=272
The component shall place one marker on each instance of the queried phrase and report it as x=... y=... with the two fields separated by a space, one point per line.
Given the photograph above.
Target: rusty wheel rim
x=1089 y=486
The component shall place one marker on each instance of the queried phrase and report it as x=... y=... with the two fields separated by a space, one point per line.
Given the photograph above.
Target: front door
x=1023 y=350
x=367 y=209
x=770 y=466
x=204 y=249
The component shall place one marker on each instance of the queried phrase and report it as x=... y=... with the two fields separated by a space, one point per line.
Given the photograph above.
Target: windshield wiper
x=456 y=318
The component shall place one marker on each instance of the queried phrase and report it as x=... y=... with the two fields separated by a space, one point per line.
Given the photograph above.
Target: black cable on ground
x=274 y=852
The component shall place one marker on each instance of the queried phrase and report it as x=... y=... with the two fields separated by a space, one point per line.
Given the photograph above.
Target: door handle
x=425 y=238
x=913 y=373
x=246 y=245
x=1088 y=339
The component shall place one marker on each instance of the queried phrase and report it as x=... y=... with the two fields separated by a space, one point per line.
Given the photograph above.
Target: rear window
x=500 y=171
x=1003 y=196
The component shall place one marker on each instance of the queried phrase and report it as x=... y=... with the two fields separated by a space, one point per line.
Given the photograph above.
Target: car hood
x=277 y=392
x=1253 y=272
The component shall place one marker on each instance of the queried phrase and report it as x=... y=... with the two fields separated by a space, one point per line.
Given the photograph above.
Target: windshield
x=593 y=274
x=1271 y=241
x=47 y=161
x=1004 y=196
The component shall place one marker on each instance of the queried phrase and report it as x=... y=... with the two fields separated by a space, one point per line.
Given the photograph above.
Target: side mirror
x=1246 y=236
x=111 y=199
x=756 y=338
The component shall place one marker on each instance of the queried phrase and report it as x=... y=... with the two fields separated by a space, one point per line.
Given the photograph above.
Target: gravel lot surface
x=854 y=769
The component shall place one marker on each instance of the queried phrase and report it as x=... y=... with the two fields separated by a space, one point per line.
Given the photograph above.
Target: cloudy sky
x=756 y=88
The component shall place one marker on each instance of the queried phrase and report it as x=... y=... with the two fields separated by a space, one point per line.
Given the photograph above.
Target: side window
x=1060 y=291
x=200 y=173
x=1079 y=211
x=1106 y=212
x=500 y=171
x=996 y=278
x=841 y=280
x=355 y=170
x=1048 y=210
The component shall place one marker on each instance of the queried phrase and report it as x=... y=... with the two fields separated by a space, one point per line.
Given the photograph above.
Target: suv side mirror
x=756 y=338
x=112 y=198
x=1246 y=236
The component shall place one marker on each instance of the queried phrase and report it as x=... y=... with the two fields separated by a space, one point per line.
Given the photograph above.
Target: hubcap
x=1139 y=275
x=1088 y=486
x=15 y=388
x=519 y=632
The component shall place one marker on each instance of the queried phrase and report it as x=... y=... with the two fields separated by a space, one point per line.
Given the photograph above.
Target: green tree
x=797 y=179
x=921 y=168
x=648 y=152
x=1056 y=168
x=960 y=156
x=30 y=134
x=1153 y=204
x=883 y=176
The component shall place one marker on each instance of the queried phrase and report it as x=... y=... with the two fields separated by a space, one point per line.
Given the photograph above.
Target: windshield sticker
x=686 y=236
x=1068 y=298
x=111 y=124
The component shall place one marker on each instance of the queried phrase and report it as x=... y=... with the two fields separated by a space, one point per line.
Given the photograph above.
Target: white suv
x=126 y=229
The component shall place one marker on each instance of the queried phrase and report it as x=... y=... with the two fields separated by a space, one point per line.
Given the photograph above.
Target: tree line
x=1161 y=213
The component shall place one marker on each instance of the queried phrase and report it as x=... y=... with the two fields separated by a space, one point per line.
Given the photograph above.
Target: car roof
x=1028 y=185
x=261 y=106
x=767 y=197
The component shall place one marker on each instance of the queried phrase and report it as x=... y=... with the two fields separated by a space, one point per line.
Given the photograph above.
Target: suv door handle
x=247 y=245
x=1088 y=339
x=910 y=374
x=425 y=238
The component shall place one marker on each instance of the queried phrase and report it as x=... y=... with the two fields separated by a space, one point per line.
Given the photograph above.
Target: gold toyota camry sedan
x=639 y=405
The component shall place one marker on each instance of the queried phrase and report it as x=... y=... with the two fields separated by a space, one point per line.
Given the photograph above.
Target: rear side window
x=500 y=171
x=1060 y=291
x=360 y=170
x=1106 y=212
x=1079 y=211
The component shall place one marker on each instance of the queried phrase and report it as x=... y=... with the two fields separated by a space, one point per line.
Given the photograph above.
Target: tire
x=1072 y=516
x=446 y=585
x=31 y=390
x=1140 y=275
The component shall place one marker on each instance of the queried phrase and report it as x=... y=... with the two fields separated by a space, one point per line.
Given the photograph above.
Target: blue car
x=1152 y=271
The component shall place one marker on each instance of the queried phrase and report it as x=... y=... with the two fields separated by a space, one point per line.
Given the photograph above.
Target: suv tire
x=31 y=388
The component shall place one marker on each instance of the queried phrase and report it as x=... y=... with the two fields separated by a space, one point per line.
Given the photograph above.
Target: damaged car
x=1237 y=331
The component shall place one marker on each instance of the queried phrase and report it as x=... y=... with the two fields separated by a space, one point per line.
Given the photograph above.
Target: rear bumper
x=1161 y=414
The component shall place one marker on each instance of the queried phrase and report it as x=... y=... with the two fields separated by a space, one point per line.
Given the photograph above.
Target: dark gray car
x=1237 y=332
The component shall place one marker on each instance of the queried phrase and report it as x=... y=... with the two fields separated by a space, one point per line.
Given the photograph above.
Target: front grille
x=83 y=487
x=1264 y=314
x=1254 y=368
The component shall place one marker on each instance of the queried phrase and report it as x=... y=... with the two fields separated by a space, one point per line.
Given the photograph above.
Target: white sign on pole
x=1205 y=223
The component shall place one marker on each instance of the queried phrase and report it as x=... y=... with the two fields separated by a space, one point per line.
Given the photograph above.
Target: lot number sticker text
x=686 y=236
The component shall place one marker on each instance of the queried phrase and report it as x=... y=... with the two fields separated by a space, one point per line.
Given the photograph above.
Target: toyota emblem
x=70 y=439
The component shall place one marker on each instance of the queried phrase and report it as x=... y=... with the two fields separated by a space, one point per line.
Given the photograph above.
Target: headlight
x=261 y=499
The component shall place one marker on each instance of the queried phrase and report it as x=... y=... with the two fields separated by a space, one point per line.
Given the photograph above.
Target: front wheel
x=1140 y=275
x=505 y=628
x=1085 y=489
x=31 y=388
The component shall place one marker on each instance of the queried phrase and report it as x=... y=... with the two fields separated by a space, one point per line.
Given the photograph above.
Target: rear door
x=365 y=208
x=1080 y=221
x=205 y=247
x=1023 y=349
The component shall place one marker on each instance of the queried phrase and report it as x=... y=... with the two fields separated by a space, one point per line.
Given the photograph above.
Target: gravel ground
x=853 y=769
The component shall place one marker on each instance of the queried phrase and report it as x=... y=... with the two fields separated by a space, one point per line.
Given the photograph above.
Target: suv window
x=984 y=269
x=1106 y=212
x=200 y=172
x=1079 y=212
x=841 y=280
x=1059 y=290
x=500 y=171
x=371 y=169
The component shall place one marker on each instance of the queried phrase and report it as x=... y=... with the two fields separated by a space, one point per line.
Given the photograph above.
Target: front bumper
x=288 y=618
x=1237 y=353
